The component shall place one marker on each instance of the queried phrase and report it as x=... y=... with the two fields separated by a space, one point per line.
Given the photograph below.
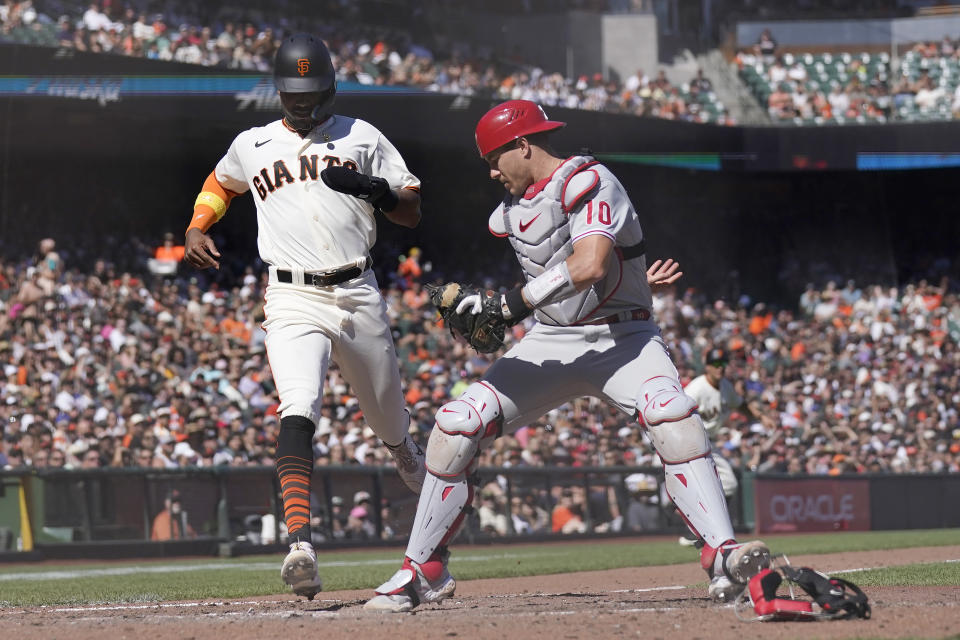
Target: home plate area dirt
x=650 y=602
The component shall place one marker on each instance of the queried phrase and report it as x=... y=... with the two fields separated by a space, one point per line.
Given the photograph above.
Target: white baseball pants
x=308 y=326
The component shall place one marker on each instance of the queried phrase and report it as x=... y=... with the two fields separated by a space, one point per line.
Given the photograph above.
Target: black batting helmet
x=303 y=65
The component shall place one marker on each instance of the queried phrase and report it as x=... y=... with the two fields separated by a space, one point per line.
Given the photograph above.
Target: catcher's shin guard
x=440 y=513
x=462 y=428
x=695 y=490
x=692 y=482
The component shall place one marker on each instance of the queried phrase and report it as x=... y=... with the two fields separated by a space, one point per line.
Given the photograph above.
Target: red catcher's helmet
x=511 y=120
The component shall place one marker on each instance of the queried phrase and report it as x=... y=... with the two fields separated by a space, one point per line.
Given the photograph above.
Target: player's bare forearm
x=407 y=211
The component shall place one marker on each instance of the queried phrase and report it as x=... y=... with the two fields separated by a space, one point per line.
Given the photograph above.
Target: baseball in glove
x=484 y=330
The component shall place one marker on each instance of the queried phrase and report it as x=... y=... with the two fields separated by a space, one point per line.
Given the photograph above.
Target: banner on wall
x=811 y=504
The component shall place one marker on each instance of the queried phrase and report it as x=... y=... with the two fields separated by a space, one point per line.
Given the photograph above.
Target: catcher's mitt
x=485 y=330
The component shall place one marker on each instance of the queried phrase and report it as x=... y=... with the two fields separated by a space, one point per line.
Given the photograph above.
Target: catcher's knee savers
x=671 y=419
x=462 y=428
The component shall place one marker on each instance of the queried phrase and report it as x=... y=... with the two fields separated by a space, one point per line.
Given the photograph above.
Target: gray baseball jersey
x=563 y=358
x=581 y=198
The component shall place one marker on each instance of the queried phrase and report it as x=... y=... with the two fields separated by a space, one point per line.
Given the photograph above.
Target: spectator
x=531 y=517
x=91 y=459
x=49 y=263
x=166 y=257
x=643 y=511
x=767 y=46
x=780 y=103
x=839 y=99
x=13 y=459
x=928 y=95
x=777 y=73
x=360 y=521
x=171 y=523
x=493 y=519
x=409 y=270
x=567 y=515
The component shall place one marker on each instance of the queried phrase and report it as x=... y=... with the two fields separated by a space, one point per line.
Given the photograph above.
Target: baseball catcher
x=579 y=242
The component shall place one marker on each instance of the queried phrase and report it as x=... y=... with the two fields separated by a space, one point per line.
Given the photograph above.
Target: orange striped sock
x=294 y=475
x=294 y=466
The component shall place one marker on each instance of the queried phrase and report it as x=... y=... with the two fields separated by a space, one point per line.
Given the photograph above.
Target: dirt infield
x=650 y=602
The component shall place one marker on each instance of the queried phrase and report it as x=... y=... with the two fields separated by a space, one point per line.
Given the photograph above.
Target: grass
x=925 y=574
x=211 y=578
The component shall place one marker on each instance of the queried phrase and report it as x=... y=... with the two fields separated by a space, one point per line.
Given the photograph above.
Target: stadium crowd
x=371 y=55
x=803 y=87
x=107 y=368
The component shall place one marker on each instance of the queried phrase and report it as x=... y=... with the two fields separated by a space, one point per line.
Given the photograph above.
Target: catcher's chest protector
x=539 y=233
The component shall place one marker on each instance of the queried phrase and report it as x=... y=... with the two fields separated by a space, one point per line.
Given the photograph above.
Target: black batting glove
x=374 y=190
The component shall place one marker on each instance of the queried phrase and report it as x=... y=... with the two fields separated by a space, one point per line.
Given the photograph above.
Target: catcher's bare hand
x=661 y=274
x=200 y=250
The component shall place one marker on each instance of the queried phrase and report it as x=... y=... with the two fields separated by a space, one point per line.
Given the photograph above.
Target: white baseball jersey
x=301 y=222
x=715 y=404
x=304 y=226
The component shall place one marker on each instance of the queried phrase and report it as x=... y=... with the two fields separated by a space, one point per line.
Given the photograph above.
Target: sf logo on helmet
x=303 y=66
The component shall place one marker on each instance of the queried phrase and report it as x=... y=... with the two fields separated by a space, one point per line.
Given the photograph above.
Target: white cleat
x=722 y=589
x=409 y=588
x=746 y=560
x=684 y=541
x=299 y=570
x=411 y=463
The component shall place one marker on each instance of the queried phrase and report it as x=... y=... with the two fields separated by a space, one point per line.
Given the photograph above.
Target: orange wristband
x=210 y=205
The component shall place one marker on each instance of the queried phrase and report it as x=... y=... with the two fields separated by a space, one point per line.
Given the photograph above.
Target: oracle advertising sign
x=783 y=505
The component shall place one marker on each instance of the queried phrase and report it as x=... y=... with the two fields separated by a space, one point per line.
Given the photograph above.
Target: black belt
x=326 y=278
x=623 y=316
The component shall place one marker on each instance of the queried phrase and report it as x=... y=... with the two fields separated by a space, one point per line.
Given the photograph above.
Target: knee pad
x=662 y=399
x=680 y=441
x=672 y=421
x=462 y=428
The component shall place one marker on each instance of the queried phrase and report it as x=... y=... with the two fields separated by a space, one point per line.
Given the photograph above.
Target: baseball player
x=318 y=180
x=580 y=245
x=716 y=398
